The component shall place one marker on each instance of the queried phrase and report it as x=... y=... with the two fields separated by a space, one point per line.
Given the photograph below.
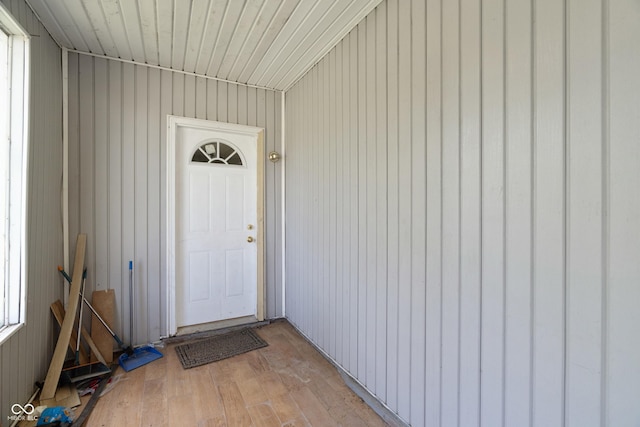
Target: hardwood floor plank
x=313 y=409
x=234 y=406
x=213 y=422
x=272 y=384
x=368 y=415
x=352 y=420
x=257 y=362
x=286 y=408
x=154 y=402
x=126 y=405
x=221 y=372
x=276 y=359
x=158 y=369
x=263 y=415
x=252 y=392
x=242 y=371
x=291 y=380
x=298 y=422
x=206 y=397
x=181 y=411
x=334 y=402
x=177 y=380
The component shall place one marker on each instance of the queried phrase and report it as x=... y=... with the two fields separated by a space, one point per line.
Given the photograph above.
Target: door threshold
x=189 y=336
x=213 y=326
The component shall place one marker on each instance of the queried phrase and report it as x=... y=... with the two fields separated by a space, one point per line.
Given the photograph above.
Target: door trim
x=173 y=124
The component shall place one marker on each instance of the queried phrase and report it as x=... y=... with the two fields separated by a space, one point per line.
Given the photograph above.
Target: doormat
x=218 y=347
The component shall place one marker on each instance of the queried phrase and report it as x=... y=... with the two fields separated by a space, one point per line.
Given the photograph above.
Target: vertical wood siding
x=463 y=219
x=24 y=358
x=117 y=194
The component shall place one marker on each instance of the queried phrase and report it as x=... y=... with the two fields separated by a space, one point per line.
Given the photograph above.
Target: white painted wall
x=117 y=177
x=463 y=219
x=24 y=358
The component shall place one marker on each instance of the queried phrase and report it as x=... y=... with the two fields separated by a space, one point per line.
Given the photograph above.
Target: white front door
x=215 y=225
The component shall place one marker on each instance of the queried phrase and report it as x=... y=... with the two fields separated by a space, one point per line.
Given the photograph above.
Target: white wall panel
x=476 y=164
x=25 y=356
x=549 y=238
x=493 y=207
x=450 y=346
x=622 y=129
x=433 y=262
x=586 y=212
x=117 y=175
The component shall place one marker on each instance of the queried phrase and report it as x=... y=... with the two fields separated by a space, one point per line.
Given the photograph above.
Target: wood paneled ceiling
x=266 y=43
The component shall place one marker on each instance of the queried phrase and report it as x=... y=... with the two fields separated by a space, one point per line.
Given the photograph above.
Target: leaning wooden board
x=104 y=303
x=96 y=355
x=58 y=312
x=55 y=368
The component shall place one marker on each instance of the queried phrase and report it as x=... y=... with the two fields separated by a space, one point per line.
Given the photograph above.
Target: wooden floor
x=287 y=383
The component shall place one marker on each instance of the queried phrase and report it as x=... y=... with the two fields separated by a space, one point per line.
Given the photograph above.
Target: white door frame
x=173 y=123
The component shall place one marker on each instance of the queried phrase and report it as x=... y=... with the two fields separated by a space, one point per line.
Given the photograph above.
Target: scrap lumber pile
x=93 y=352
x=94 y=362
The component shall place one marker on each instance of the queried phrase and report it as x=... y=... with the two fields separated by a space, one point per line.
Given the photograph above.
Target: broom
x=126 y=349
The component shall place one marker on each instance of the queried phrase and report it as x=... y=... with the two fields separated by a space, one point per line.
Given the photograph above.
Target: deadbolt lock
x=249 y=227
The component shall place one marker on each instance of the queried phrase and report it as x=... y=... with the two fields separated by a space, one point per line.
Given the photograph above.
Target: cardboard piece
x=65 y=395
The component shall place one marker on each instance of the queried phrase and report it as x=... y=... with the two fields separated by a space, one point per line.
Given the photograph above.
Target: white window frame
x=14 y=126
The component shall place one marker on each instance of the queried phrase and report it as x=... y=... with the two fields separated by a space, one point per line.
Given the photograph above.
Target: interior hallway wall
x=25 y=357
x=117 y=177
x=463 y=213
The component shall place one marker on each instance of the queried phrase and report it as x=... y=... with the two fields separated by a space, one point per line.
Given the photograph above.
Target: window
x=217 y=152
x=14 y=72
x=4 y=75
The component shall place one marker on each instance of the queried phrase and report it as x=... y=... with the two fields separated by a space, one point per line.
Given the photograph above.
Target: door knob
x=249 y=239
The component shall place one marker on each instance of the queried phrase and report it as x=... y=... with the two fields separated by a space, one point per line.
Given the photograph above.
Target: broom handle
x=84 y=281
x=93 y=310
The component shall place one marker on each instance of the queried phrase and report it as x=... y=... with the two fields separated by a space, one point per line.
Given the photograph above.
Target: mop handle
x=131 y=303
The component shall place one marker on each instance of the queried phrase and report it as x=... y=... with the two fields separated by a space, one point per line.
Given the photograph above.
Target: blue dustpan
x=141 y=356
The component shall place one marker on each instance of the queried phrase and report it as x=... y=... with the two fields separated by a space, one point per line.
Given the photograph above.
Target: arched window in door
x=217 y=152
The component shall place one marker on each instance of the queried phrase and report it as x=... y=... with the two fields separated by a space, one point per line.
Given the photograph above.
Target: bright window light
x=4 y=137
x=14 y=95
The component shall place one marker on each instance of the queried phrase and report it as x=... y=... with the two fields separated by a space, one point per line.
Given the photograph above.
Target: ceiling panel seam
x=318 y=40
x=275 y=58
x=262 y=40
x=160 y=67
x=247 y=37
x=304 y=39
x=371 y=6
x=218 y=33
x=28 y=2
x=204 y=32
